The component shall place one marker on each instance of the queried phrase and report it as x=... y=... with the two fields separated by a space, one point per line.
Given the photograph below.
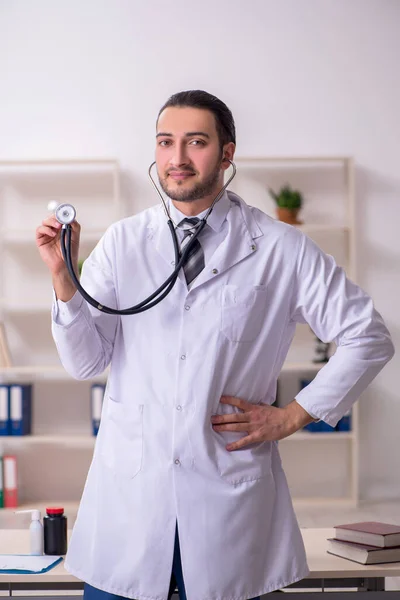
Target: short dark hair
x=224 y=122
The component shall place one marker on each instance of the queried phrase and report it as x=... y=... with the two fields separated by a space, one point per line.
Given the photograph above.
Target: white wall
x=301 y=77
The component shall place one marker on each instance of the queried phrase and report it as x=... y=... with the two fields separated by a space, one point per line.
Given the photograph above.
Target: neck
x=195 y=207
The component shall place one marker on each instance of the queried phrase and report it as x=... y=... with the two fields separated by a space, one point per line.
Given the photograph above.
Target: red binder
x=10 y=481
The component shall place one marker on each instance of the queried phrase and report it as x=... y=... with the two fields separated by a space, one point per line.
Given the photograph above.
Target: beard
x=199 y=190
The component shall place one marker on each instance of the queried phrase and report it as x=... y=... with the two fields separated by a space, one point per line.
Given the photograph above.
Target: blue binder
x=96 y=405
x=20 y=409
x=345 y=422
x=4 y=409
x=27 y=563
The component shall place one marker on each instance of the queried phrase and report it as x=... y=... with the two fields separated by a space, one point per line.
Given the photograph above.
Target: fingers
x=50 y=227
x=234 y=427
x=244 y=441
x=231 y=418
x=44 y=230
x=238 y=402
x=52 y=222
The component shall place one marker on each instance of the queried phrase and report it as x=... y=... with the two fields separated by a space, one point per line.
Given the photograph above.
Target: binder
x=1 y=483
x=10 y=481
x=96 y=405
x=27 y=563
x=345 y=422
x=4 y=409
x=20 y=409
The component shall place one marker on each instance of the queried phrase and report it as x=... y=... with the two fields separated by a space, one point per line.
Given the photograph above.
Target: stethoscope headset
x=66 y=213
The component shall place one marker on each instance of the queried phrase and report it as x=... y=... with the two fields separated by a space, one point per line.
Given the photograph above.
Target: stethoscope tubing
x=164 y=289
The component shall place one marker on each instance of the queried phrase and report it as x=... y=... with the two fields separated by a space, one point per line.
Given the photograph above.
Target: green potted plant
x=80 y=264
x=288 y=204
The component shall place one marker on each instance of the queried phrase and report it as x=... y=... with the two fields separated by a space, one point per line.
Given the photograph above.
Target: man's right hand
x=48 y=236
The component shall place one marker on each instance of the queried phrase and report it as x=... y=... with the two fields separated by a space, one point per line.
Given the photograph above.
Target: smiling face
x=190 y=161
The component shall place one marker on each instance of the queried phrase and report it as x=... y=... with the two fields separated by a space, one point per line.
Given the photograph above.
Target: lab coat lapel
x=161 y=235
x=239 y=244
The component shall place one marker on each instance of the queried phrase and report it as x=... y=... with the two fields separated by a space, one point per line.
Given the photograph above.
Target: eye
x=164 y=143
x=197 y=142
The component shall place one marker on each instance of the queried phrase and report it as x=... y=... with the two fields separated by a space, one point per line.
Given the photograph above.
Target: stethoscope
x=66 y=213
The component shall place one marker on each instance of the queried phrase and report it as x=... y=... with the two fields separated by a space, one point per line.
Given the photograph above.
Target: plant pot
x=288 y=215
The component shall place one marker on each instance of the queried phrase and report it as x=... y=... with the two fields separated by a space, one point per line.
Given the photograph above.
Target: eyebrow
x=188 y=134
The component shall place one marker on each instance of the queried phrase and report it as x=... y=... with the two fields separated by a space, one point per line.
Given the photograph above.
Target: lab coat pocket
x=122 y=438
x=249 y=463
x=246 y=464
x=243 y=311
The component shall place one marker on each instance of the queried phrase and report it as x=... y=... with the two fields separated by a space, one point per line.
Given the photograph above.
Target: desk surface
x=321 y=564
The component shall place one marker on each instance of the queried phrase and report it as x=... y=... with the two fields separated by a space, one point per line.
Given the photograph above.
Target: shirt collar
x=216 y=218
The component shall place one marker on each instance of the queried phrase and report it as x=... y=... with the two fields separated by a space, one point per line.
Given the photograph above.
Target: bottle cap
x=55 y=511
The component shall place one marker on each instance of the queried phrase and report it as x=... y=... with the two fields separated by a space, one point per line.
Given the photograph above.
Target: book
x=96 y=405
x=10 y=481
x=372 y=533
x=5 y=357
x=363 y=553
x=1 y=483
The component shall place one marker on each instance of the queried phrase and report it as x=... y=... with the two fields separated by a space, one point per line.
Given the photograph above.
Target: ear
x=228 y=153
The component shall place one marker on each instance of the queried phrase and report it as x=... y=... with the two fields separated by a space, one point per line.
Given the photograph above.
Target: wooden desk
x=326 y=571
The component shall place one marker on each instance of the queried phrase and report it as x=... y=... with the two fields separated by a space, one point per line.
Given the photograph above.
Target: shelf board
x=257 y=160
x=51 y=373
x=58 y=372
x=295 y=367
x=25 y=309
x=323 y=228
x=319 y=436
x=60 y=162
x=70 y=441
x=20 y=237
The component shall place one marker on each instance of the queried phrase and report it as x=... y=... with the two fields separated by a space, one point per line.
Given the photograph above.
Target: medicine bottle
x=55 y=531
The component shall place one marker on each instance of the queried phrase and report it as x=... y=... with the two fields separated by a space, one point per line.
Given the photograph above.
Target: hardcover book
x=373 y=533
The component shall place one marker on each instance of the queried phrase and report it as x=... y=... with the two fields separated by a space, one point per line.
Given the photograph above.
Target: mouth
x=180 y=175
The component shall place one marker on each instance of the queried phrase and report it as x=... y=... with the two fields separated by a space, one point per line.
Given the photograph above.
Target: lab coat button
x=183 y=357
x=177 y=461
x=179 y=407
x=215 y=271
x=187 y=307
x=253 y=247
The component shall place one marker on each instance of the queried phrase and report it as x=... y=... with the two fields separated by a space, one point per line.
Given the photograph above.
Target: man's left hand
x=260 y=421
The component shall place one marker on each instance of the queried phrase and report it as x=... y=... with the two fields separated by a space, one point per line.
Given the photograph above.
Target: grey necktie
x=194 y=262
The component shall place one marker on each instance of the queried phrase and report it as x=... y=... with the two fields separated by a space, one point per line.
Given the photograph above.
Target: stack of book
x=368 y=543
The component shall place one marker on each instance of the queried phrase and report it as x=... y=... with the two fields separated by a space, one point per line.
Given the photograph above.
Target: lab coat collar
x=238 y=244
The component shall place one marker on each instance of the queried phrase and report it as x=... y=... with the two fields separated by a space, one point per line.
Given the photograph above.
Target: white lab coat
x=157 y=460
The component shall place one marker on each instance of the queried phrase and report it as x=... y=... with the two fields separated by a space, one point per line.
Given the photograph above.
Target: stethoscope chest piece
x=65 y=214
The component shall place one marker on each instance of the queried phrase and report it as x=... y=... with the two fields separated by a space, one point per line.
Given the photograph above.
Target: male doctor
x=186 y=484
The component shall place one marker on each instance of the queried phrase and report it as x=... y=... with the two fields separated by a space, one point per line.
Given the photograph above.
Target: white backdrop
x=301 y=77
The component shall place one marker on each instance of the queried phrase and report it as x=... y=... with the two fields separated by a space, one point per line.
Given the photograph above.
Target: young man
x=187 y=450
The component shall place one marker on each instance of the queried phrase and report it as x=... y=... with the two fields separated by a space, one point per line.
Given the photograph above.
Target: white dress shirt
x=157 y=459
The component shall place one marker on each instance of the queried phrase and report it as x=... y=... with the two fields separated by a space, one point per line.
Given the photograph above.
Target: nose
x=179 y=157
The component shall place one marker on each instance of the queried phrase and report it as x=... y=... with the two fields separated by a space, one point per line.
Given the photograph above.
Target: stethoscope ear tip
x=52 y=205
